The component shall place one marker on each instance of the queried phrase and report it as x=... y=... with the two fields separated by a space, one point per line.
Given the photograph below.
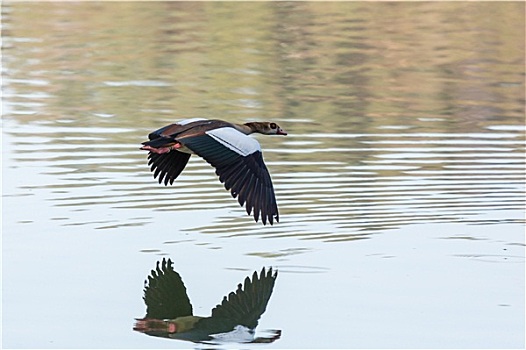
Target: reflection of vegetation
x=354 y=66
x=169 y=312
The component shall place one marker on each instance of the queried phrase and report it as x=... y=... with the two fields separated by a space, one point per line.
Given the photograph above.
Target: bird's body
x=228 y=148
x=169 y=311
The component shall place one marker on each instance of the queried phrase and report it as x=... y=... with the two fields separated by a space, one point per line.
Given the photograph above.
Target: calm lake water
x=400 y=186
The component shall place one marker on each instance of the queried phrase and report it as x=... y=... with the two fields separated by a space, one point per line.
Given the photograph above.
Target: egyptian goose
x=169 y=311
x=237 y=158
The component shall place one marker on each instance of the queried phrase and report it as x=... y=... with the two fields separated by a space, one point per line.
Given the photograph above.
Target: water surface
x=400 y=185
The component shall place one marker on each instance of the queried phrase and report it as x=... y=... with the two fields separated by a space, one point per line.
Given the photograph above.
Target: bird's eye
x=273 y=125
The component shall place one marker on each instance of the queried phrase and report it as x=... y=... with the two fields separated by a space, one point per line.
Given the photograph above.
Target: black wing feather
x=245 y=176
x=244 y=306
x=165 y=294
x=167 y=166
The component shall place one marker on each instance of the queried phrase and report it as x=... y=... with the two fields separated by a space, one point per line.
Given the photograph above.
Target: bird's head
x=266 y=128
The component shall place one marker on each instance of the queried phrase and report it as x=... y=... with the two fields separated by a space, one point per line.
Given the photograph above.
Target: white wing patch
x=188 y=121
x=235 y=140
x=240 y=334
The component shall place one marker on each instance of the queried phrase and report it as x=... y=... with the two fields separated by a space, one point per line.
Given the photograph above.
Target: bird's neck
x=247 y=128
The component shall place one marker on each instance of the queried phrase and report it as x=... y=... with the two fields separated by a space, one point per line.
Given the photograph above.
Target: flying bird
x=169 y=312
x=237 y=158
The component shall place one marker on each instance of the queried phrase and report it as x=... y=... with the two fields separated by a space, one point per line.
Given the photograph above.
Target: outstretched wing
x=165 y=294
x=239 y=164
x=167 y=166
x=243 y=307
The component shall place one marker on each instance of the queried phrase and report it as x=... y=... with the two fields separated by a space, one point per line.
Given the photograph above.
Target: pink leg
x=161 y=150
x=151 y=324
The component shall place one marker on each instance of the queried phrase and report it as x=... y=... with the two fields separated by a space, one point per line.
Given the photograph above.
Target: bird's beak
x=281 y=132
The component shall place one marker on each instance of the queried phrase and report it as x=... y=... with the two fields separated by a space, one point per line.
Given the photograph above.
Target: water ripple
x=325 y=191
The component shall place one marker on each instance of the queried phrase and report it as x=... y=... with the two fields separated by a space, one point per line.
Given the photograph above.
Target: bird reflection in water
x=169 y=311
